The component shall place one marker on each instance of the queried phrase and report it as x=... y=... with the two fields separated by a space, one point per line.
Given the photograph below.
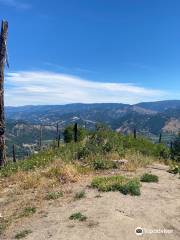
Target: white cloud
x=56 y=88
x=16 y=3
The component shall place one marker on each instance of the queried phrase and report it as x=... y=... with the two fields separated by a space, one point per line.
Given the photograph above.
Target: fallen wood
x=121 y=161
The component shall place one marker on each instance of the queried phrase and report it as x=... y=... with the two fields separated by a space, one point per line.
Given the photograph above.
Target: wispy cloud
x=44 y=87
x=16 y=4
x=73 y=70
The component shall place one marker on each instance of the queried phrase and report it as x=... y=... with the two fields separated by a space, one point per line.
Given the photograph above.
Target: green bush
x=26 y=212
x=117 y=183
x=100 y=164
x=132 y=188
x=175 y=169
x=54 y=195
x=147 y=177
x=69 y=134
x=78 y=216
x=79 y=195
x=22 y=234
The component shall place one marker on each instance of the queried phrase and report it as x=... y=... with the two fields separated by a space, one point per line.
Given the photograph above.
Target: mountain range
x=149 y=118
x=152 y=117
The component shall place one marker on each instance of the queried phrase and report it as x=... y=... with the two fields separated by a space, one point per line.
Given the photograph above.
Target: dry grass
x=137 y=160
x=22 y=188
x=62 y=173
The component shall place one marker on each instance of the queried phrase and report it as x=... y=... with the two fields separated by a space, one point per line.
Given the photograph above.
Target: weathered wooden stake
x=135 y=134
x=40 y=138
x=3 y=55
x=59 y=139
x=57 y=131
x=171 y=146
x=14 y=153
x=160 y=137
x=75 y=132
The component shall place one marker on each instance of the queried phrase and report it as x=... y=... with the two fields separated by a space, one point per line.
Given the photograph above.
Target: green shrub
x=22 y=234
x=54 y=195
x=175 y=169
x=3 y=224
x=78 y=216
x=149 y=178
x=69 y=134
x=117 y=183
x=132 y=188
x=79 y=195
x=103 y=164
x=26 y=212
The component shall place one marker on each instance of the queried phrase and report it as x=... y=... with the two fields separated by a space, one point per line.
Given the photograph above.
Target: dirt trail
x=112 y=215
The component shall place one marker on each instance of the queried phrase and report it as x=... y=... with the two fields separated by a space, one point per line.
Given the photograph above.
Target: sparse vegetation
x=100 y=164
x=22 y=234
x=175 y=150
x=3 y=224
x=45 y=171
x=28 y=211
x=78 y=216
x=147 y=177
x=117 y=183
x=54 y=195
x=80 y=195
x=95 y=148
x=175 y=169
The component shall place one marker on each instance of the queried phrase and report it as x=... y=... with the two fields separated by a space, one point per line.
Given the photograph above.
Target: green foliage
x=79 y=195
x=117 y=183
x=3 y=224
x=161 y=151
x=103 y=164
x=132 y=187
x=147 y=177
x=35 y=161
x=54 y=195
x=69 y=134
x=175 y=169
x=175 y=151
x=22 y=234
x=78 y=216
x=26 y=212
x=98 y=145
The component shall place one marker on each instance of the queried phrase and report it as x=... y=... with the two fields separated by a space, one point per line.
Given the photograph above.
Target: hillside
x=102 y=187
x=149 y=119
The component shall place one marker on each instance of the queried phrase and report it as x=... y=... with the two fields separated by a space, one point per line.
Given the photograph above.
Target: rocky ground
x=110 y=215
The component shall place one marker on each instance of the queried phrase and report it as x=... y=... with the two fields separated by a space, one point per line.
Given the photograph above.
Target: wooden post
x=57 y=131
x=59 y=139
x=135 y=135
x=40 y=138
x=14 y=153
x=160 y=137
x=3 y=54
x=171 y=145
x=75 y=132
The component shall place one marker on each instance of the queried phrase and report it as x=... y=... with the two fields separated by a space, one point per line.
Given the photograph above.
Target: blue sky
x=64 y=51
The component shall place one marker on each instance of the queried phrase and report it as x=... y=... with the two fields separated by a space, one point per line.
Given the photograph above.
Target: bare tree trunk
x=14 y=153
x=160 y=137
x=40 y=138
x=75 y=132
x=135 y=134
x=59 y=138
x=3 y=38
